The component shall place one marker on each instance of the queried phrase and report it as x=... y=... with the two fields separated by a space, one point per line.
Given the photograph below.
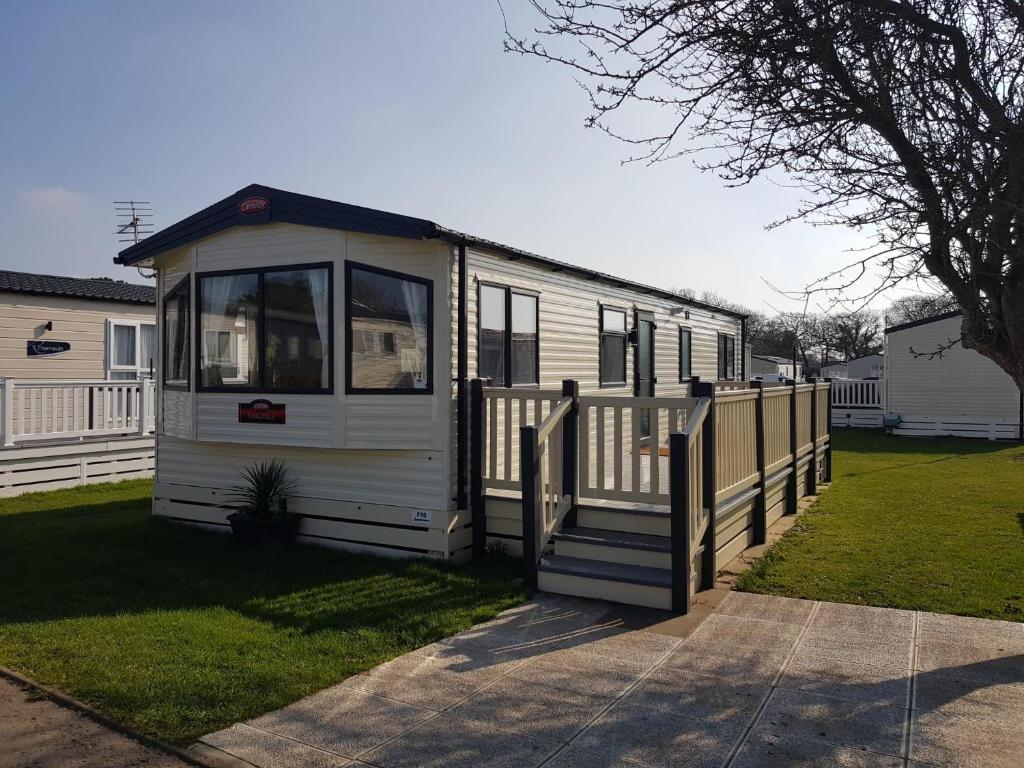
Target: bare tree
x=855 y=334
x=910 y=309
x=901 y=117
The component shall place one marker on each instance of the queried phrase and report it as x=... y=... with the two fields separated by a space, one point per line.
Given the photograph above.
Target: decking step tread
x=625 y=507
x=598 y=569
x=622 y=539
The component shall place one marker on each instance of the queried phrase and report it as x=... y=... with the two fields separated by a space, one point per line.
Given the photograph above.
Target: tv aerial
x=134 y=220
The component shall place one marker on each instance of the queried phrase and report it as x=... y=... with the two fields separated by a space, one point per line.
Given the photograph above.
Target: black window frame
x=349 y=389
x=601 y=332
x=507 y=373
x=685 y=329
x=723 y=372
x=184 y=283
x=261 y=330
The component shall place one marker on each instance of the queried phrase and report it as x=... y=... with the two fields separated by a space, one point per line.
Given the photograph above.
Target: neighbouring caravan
x=959 y=392
x=780 y=368
x=342 y=340
x=866 y=367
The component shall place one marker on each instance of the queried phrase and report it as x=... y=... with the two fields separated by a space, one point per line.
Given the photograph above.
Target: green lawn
x=931 y=524
x=179 y=632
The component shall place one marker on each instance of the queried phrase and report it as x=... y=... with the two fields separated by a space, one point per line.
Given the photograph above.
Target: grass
x=179 y=632
x=926 y=524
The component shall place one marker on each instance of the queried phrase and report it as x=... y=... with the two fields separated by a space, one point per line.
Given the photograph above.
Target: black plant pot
x=258 y=529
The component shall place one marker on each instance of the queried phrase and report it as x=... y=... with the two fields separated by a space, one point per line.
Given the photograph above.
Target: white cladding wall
x=960 y=383
x=81 y=322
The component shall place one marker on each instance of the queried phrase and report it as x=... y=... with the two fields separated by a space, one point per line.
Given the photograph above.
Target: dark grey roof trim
x=926 y=321
x=91 y=289
x=293 y=208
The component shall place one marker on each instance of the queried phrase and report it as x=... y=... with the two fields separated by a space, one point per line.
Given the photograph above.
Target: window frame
x=184 y=283
x=507 y=373
x=261 y=330
x=349 y=389
x=600 y=345
x=729 y=376
x=138 y=369
x=689 y=354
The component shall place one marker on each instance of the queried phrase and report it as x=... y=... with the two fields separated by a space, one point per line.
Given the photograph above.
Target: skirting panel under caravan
x=52 y=467
x=383 y=502
x=990 y=428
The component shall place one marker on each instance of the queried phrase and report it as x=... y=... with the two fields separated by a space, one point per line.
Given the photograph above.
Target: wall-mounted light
x=632 y=337
x=49 y=325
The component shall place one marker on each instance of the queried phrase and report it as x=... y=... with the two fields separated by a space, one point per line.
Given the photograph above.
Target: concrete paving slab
x=342 y=720
x=785 y=610
x=530 y=707
x=971 y=662
x=890 y=652
x=269 y=750
x=882 y=622
x=698 y=696
x=582 y=672
x=997 y=703
x=751 y=663
x=766 y=750
x=847 y=680
x=645 y=647
x=660 y=737
x=964 y=743
x=571 y=757
x=722 y=634
x=448 y=742
x=965 y=630
x=845 y=723
x=423 y=681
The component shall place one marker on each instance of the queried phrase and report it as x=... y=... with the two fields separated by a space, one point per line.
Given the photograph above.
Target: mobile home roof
x=293 y=208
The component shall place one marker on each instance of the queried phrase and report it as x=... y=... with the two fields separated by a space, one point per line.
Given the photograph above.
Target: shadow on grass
x=114 y=558
x=877 y=441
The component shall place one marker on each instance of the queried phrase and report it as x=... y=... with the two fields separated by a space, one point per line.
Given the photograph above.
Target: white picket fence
x=69 y=411
x=858 y=393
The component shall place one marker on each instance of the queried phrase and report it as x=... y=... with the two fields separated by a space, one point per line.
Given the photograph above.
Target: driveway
x=761 y=681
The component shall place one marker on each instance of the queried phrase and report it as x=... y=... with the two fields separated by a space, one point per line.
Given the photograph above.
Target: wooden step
x=648 y=520
x=615 y=582
x=614 y=547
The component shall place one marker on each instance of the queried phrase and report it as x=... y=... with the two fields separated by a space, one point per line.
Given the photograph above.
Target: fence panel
x=776 y=428
x=735 y=442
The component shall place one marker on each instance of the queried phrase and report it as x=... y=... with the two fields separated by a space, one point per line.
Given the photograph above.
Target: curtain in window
x=229 y=305
x=321 y=295
x=415 y=295
x=124 y=345
x=147 y=348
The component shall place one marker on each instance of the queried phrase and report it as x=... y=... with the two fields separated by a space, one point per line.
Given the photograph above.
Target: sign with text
x=261 y=412
x=47 y=348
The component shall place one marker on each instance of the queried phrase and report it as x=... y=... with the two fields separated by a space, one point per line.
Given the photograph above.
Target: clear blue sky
x=403 y=105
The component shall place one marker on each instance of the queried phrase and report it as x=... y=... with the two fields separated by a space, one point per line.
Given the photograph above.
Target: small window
x=389 y=322
x=726 y=357
x=130 y=349
x=508 y=359
x=266 y=330
x=176 y=335
x=612 y=350
x=685 y=354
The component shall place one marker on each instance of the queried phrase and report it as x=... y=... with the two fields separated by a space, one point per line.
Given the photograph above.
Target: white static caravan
x=959 y=393
x=341 y=339
x=778 y=367
x=866 y=367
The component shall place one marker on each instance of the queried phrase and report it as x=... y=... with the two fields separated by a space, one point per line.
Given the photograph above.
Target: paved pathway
x=37 y=733
x=763 y=681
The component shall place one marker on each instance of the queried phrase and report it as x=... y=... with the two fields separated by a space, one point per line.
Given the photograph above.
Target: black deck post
x=761 y=503
x=528 y=478
x=570 y=450
x=708 y=570
x=812 y=478
x=791 y=484
x=476 y=469
x=679 y=543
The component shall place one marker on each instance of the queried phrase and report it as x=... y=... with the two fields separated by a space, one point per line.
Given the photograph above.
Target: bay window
x=176 y=335
x=509 y=352
x=389 y=319
x=266 y=330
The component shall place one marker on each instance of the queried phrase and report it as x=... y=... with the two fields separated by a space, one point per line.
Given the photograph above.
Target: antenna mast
x=134 y=220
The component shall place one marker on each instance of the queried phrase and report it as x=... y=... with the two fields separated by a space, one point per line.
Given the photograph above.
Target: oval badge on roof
x=252 y=206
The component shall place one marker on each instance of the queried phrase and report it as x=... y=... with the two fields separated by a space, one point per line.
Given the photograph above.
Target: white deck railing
x=31 y=411
x=858 y=393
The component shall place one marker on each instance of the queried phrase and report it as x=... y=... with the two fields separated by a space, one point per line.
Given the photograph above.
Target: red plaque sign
x=253 y=206
x=261 y=412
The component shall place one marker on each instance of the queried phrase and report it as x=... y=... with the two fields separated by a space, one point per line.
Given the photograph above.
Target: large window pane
x=390 y=324
x=613 y=346
x=147 y=348
x=726 y=356
x=229 y=320
x=177 y=336
x=613 y=320
x=685 y=354
x=123 y=353
x=524 y=339
x=492 y=334
x=297 y=304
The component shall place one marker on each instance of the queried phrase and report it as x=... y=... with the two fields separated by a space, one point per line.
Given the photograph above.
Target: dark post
x=528 y=475
x=478 y=424
x=462 y=374
x=570 y=450
x=708 y=570
x=761 y=503
x=791 y=485
x=92 y=407
x=694 y=381
x=812 y=477
x=679 y=543
x=828 y=429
